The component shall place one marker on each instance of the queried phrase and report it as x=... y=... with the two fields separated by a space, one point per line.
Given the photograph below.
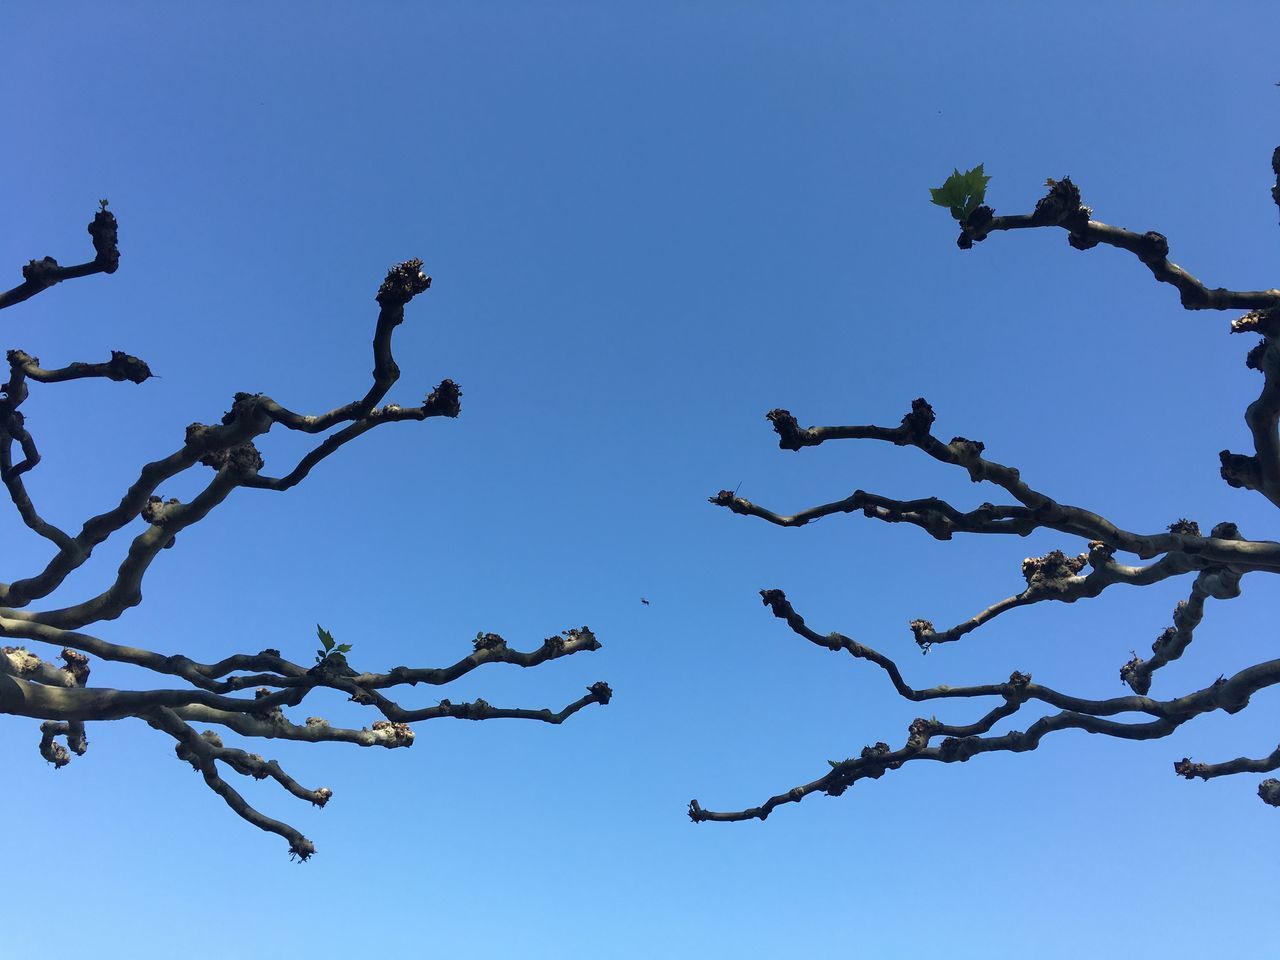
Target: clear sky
x=648 y=224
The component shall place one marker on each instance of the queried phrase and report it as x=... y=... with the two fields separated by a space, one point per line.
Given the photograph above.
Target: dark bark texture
x=1212 y=563
x=249 y=695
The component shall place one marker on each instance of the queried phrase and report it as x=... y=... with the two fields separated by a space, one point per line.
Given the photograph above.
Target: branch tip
x=404 y=282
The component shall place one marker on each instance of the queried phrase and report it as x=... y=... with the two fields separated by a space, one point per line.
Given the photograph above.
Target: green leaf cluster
x=328 y=644
x=962 y=193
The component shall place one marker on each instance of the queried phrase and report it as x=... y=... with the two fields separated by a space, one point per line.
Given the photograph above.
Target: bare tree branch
x=1215 y=562
x=1207 y=771
x=40 y=275
x=1062 y=207
x=202 y=752
x=32 y=687
x=961 y=742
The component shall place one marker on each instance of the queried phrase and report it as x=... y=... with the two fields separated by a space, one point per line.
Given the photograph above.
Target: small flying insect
x=644 y=601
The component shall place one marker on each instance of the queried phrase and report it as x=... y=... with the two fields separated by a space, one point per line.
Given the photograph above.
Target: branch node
x=444 y=401
x=104 y=232
x=404 y=282
x=924 y=633
x=791 y=436
x=41 y=273
x=157 y=510
x=488 y=641
x=1060 y=205
x=389 y=733
x=242 y=460
x=917 y=423
x=124 y=366
x=1186 y=768
x=1239 y=470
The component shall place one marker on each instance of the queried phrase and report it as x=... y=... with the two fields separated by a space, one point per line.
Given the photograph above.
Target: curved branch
x=201 y=754
x=1218 y=561
x=228 y=448
x=122 y=366
x=167 y=521
x=1055 y=576
x=1041 y=511
x=1260 y=472
x=962 y=742
x=1062 y=207
x=441 y=402
x=598 y=692
x=404 y=281
x=489 y=648
x=30 y=687
x=1174 y=640
x=40 y=275
x=382 y=733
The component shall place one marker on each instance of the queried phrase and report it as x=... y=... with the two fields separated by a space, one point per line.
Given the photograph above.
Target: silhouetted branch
x=1215 y=562
x=961 y=742
x=32 y=687
x=1062 y=207
x=40 y=275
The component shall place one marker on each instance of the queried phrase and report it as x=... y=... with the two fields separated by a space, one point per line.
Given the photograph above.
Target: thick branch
x=1039 y=511
x=1061 y=207
x=203 y=443
x=18 y=662
x=40 y=275
x=229 y=449
x=1174 y=640
x=23 y=698
x=121 y=367
x=1261 y=471
x=202 y=675
x=167 y=521
x=30 y=687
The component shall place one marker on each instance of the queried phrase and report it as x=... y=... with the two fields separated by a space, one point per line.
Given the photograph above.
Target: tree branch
x=227 y=447
x=1061 y=207
x=1230 y=695
x=31 y=687
x=40 y=275
x=202 y=754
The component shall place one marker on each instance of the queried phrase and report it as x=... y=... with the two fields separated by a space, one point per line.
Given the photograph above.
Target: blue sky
x=647 y=225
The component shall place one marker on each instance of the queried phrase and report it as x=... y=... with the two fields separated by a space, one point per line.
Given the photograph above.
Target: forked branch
x=962 y=741
x=243 y=694
x=1215 y=563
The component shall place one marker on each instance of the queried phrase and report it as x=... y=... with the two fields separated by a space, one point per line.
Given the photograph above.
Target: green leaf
x=326 y=638
x=344 y=648
x=961 y=193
